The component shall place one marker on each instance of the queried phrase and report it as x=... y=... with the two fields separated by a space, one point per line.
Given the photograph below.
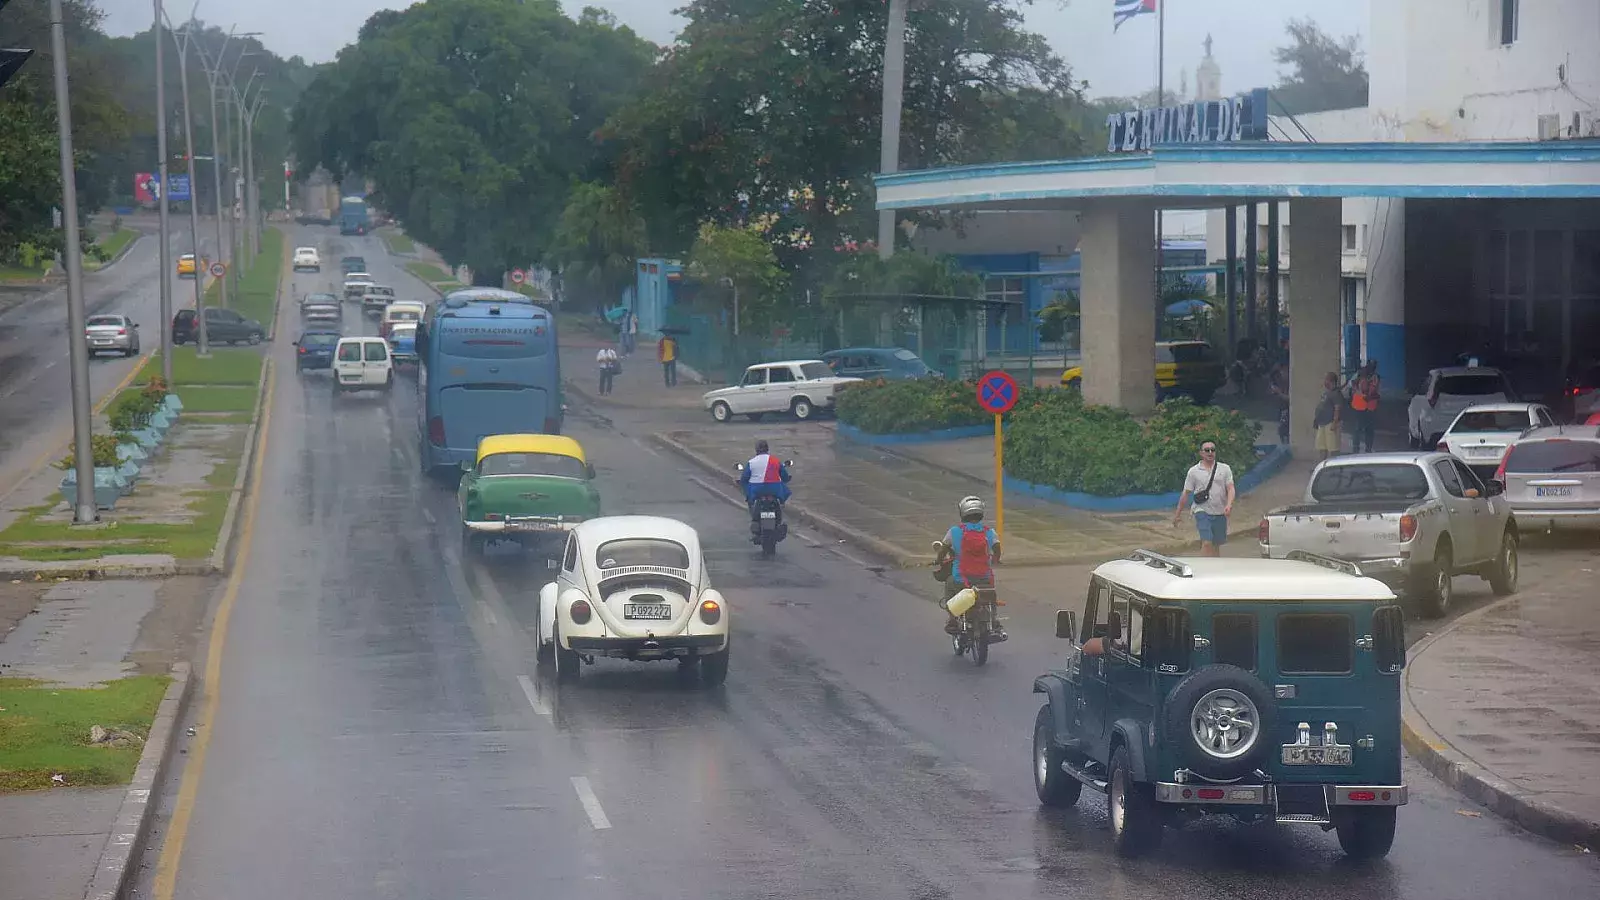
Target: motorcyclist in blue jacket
x=764 y=475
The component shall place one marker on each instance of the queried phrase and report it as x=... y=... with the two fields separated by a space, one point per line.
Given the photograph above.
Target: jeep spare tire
x=1220 y=719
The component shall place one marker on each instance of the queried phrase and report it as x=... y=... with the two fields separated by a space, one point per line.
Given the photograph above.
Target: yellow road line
x=166 y=879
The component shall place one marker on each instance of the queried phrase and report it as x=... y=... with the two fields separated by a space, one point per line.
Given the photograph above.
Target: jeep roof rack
x=1157 y=561
x=1326 y=562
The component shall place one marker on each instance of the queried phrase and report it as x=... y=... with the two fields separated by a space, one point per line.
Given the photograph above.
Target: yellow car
x=186 y=266
x=1182 y=367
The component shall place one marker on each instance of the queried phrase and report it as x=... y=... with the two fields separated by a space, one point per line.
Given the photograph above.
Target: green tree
x=596 y=243
x=1323 y=72
x=740 y=258
x=473 y=119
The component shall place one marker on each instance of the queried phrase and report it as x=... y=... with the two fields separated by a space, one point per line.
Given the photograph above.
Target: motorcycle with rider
x=964 y=561
x=765 y=481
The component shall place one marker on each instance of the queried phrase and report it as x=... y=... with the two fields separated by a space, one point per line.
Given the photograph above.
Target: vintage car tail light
x=1264 y=531
x=580 y=612
x=1362 y=796
x=1408 y=528
x=710 y=612
x=436 y=431
x=493 y=517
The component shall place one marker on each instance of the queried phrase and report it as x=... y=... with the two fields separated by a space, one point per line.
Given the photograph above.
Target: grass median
x=399 y=242
x=48 y=730
x=434 y=275
x=116 y=241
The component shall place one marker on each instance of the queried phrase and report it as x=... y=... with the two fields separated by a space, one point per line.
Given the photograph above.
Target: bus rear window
x=508 y=340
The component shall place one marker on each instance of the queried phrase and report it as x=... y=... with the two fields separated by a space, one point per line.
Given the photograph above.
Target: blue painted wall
x=654 y=292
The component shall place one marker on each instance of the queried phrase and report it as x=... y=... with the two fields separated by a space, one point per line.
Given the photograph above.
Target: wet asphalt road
x=385 y=732
x=35 y=379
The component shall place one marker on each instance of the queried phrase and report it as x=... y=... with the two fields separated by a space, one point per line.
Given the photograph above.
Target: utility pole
x=242 y=244
x=163 y=203
x=202 y=338
x=894 y=85
x=85 y=510
x=213 y=74
x=252 y=196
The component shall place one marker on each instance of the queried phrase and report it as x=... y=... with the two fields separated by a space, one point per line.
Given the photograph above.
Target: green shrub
x=104 y=448
x=1054 y=439
x=903 y=407
x=133 y=409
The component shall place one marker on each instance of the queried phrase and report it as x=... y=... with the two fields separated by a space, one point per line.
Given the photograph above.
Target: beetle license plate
x=1316 y=756
x=646 y=611
x=1552 y=492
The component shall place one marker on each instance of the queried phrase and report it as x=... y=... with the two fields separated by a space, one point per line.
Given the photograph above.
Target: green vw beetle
x=530 y=489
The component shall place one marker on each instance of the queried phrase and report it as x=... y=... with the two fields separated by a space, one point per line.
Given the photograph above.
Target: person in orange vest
x=667 y=353
x=1364 y=403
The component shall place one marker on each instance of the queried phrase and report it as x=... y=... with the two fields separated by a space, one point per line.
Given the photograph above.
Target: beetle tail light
x=710 y=612
x=580 y=612
x=1408 y=527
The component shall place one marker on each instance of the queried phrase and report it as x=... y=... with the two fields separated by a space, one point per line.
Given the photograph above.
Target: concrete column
x=1314 y=313
x=1119 y=291
x=1386 y=296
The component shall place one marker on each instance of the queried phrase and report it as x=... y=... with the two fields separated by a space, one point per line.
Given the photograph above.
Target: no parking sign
x=998 y=393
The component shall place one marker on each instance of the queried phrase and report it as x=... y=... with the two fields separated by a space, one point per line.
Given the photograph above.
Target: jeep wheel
x=1366 y=833
x=1503 y=576
x=1053 y=785
x=721 y=412
x=1434 y=584
x=1221 y=718
x=1135 y=817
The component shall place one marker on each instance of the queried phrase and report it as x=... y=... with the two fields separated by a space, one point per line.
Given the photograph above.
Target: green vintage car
x=529 y=489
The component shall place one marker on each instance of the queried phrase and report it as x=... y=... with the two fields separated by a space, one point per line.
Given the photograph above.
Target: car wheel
x=1221 y=719
x=1136 y=825
x=255 y=338
x=1503 y=579
x=1366 y=833
x=566 y=660
x=802 y=408
x=1053 y=785
x=714 y=668
x=721 y=412
x=1435 y=586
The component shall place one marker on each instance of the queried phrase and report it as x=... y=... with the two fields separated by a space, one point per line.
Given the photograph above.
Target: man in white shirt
x=606 y=359
x=1210 y=483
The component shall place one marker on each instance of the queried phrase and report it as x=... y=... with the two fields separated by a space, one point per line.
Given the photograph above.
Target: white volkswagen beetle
x=634 y=587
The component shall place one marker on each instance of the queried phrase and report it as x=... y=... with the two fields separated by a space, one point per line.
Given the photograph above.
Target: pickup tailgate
x=1344 y=531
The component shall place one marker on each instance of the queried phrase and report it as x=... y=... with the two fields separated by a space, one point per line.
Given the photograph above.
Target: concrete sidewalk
x=1503 y=706
x=640 y=386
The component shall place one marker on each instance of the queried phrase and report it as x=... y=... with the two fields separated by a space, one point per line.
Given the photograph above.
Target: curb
x=1464 y=775
x=219 y=554
x=131 y=827
x=104 y=569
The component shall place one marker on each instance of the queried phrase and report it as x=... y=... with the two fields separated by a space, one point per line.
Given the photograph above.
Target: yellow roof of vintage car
x=556 y=444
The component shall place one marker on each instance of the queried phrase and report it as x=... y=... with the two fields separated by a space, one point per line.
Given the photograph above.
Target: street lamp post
x=241 y=227
x=252 y=196
x=163 y=202
x=235 y=141
x=202 y=338
x=894 y=84
x=214 y=79
x=85 y=510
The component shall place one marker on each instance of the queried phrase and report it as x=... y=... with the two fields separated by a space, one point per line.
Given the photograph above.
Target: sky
x=1244 y=32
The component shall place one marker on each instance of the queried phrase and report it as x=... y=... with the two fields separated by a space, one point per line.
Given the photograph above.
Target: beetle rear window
x=1315 y=644
x=642 y=552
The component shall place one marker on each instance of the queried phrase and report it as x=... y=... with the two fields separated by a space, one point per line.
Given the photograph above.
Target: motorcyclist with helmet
x=974 y=550
x=764 y=475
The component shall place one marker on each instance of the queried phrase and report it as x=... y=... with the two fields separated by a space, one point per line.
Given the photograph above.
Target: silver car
x=112 y=334
x=1446 y=393
x=1552 y=477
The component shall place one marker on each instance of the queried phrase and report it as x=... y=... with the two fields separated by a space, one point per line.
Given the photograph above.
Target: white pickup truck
x=1411 y=520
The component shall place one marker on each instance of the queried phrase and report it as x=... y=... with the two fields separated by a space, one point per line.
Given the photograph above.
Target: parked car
x=1265 y=690
x=1412 y=520
x=634 y=587
x=1188 y=368
x=892 y=363
x=356 y=284
x=801 y=388
x=1480 y=436
x=1552 y=477
x=525 y=489
x=223 y=326
x=1443 y=395
x=306 y=259
x=351 y=264
x=314 y=349
x=186 y=266
x=375 y=298
x=112 y=334
x=362 y=364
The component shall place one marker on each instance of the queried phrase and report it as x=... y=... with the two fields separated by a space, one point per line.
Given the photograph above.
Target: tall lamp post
x=164 y=201
x=214 y=77
x=233 y=140
x=241 y=242
x=894 y=85
x=252 y=196
x=183 y=40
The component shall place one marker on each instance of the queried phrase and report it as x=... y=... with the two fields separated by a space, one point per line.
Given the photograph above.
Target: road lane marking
x=539 y=706
x=427 y=515
x=591 y=803
x=488 y=614
x=166 y=879
x=647 y=448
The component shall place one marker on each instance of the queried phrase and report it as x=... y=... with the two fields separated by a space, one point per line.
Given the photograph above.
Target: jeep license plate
x=769 y=514
x=646 y=611
x=1316 y=756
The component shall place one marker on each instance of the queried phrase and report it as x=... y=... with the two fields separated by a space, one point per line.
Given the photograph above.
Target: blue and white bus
x=489 y=366
x=353 y=216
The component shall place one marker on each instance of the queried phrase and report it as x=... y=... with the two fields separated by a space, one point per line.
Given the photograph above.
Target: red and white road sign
x=518 y=276
x=218 y=269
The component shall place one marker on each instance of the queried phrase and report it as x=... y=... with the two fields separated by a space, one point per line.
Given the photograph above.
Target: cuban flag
x=766 y=469
x=1123 y=10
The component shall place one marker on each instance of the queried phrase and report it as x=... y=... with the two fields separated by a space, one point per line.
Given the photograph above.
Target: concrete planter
x=109 y=486
x=129 y=471
x=161 y=420
x=172 y=405
x=126 y=452
x=1273 y=458
x=148 y=438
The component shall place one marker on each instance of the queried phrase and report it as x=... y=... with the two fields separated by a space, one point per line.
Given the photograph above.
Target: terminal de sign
x=1241 y=118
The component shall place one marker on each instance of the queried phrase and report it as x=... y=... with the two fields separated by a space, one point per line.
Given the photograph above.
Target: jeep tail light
x=580 y=611
x=1211 y=793
x=1408 y=527
x=436 y=431
x=710 y=612
x=1264 y=531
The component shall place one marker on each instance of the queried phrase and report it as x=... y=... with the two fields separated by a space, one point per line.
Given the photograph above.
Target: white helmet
x=970 y=506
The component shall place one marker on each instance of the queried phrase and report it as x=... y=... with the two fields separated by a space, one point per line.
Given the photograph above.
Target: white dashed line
x=428 y=515
x=543 y=709
x=646 y=447
x=591 y=803
x=488 y=614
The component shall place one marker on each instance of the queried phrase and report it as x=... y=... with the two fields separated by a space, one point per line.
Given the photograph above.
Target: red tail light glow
x=303 y=351
x=1500 y=471
x=1408 y=528
x=1211 y=793
x=1362 y=796
x=1444 y=447
x=122 y=332
x=1264 y=531
x=436 y=431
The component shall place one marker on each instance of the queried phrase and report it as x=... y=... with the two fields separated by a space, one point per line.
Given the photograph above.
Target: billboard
x=147 y=188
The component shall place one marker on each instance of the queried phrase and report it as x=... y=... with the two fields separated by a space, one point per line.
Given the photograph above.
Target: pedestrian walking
x=1210 y=485
x=609 y=365
x=1364 y=405
x=1327 y=418
x=630 y=332
x=667 y=352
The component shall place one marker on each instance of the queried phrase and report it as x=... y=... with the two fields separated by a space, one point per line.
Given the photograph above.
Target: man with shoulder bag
x=1210 y=483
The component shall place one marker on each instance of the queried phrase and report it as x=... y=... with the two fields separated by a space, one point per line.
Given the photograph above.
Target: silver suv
x=1552 y=476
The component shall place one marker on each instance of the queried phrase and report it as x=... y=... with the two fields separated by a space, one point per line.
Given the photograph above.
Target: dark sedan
x=314 y=350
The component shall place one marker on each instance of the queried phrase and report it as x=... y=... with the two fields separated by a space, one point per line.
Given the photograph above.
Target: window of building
x=1349 y=239
x=1009 y=290
x=1508 y=21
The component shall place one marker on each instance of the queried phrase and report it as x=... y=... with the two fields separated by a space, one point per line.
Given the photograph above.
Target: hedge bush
x=1054 y=439
x=103 y=449
x=902 y=407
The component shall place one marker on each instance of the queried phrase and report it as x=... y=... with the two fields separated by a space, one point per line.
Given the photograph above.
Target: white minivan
x=362 y=364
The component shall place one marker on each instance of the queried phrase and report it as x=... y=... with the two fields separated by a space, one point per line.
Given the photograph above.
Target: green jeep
x=1256 y=688
x=528 y=489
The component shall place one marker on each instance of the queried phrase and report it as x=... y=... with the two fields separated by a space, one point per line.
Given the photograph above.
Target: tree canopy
x=473 y=119
x=1323 y=72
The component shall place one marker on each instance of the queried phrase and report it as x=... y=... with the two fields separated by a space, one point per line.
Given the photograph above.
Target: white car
x=356 y=284
x=375 y=298
x=1448 y=391
x=801 y=388
x=362 y=364
x=634 y=587
x=1481 y=435
x=306 y=259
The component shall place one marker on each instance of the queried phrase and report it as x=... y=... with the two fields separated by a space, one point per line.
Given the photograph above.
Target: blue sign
x=180 y=187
